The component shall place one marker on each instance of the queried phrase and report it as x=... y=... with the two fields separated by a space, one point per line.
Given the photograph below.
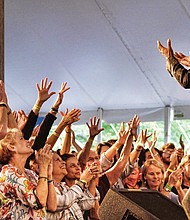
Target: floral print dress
x=17 y=195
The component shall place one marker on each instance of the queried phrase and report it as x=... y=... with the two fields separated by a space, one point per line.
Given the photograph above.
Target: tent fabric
x=105 y=49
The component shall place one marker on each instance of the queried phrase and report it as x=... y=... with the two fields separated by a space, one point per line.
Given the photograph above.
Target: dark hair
x=111 y=141
x=142 y=157
x=73 y=152
x=168 y=146
x=65 y=157
x=100 y=145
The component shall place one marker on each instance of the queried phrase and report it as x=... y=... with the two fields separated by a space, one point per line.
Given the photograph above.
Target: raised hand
x=43 y=91
x=73 y=136
x=15 y=115
x=86 y=175
x=179 y=153
x=70 y=117
x=133 y=124
x=142 y=138
x=21 y=119
x=179 y=181
x=122 y=137
x=95 y=169
x=122 y=127
x=174 y=177
x=151 y=144
x=93 y=127
x=183 y=59
x=181 y=142
x=60 y=97
x=165 y=51
x=174 y=159
x=44 y=156
x=35 y=131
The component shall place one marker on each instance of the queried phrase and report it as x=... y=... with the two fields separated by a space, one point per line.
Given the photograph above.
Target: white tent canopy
x=105 y=49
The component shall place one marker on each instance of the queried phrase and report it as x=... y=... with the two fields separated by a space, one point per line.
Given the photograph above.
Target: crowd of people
x=37 y=182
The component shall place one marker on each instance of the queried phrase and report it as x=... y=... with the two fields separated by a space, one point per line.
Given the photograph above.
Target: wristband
x=139 y=147
x=56 y=134
x=168 y=188
x=50 y=181
x=43 y=177
x=54 y=110
x=36 y=107
x=91 y=139
x=115 y=147
x=3 y=104
x=169 y=170
x=83 y=181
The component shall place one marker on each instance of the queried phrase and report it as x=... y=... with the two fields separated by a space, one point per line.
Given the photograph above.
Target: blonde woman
x=153 y=178
x=24 y=195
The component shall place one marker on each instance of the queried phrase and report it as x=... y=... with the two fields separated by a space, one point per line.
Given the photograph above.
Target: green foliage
x=178 y=127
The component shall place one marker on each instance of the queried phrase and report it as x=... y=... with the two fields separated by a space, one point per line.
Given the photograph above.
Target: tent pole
x=100 y=115
x=168 y=117
x=2 y=40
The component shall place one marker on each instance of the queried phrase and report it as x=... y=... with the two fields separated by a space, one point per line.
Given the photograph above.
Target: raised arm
x=52 y=196
x=93 y=131
x=66 y=143
x=67 y=119
x=183 y=59
x=95 y=172
x=175 y=179
x=12 y=122
x=43 y=158
x=181 y=143
x=111 y=152
x=114 y=173
x=136 y=121
x=77 y=147
x=3 y=111
x=139 y=145
x=151 y=146
x=59 y=100
x=172 y=166
x=173 y=66
x=43 y=95
x=49 y=119
x=48 y=122
x=20 y=119
x=6 y=118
